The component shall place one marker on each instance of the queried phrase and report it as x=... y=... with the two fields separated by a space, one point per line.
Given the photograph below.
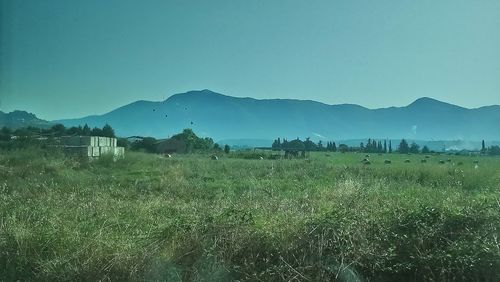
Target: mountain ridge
x=226 y=117
x=18 y=118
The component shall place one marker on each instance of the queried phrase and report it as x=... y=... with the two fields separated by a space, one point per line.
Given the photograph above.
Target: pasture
x=189 y=218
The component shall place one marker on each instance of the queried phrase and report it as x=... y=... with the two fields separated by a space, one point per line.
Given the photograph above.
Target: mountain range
x=225 y=117
x=17 y=119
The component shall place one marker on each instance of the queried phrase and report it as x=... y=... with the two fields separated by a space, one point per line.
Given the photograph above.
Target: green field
x=328 y=217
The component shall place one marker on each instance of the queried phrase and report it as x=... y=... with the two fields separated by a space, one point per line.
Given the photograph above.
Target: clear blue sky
x=62 y=59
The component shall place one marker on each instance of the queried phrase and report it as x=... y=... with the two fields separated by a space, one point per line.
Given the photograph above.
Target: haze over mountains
x=225 y=117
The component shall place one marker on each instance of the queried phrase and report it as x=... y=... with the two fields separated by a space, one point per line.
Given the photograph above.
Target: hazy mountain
x=18 y=119
x=224 y=117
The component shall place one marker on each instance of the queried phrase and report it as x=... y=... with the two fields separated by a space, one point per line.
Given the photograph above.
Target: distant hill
x=225 y=117
x=17 y=119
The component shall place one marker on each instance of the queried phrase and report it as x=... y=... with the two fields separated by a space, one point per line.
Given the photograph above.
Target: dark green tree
x=193 y=142
x=494 y=150
x=368 y=147
x=297 y=145
x=96 y=131
x=227 y=149
x=147 y=144
x=309 y=145
x=414 y=148
x=58 y=130
x=74 y=130
x=425 y=150
x=108 y=131
x=123 y=142
x=86 y=130
x=320 y=146
x=343 y=148
x=5 y=134
x=403 y=147
x=276 y=145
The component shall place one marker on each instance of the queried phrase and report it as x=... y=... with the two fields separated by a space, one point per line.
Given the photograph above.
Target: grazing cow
x=387 y=162
x=460 y=163
x=214 y=158
x=427 y=157
x=476 y=161
x=261 y=158
x=168 y=156
x=407 y=161
x=448 y=160
x=441 y=161
x=367 y=156
x=423 y=161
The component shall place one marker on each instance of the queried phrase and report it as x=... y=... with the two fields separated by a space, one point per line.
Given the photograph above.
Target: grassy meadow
x=187 y=218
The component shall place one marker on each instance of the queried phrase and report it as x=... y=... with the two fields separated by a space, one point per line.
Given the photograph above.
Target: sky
x=71 y=58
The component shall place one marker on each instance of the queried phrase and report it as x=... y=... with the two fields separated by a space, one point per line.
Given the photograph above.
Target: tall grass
x=189 y=218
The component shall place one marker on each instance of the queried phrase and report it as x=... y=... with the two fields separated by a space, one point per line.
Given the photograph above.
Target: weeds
x=189 y=218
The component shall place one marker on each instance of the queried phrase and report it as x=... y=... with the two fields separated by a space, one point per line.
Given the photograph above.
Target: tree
x=368 y=147
x=217 y=147
x=414 y=148
x=494 y=150
x=390 y=147
x=123 y=142
x=403 y=147
x=227 y=149
x=58 y=129
x=483 y=147
x=334 y=147
x=96 y=131
x=320 y=145
x=425 y=150
x=276 y=145
x=343 y=148
x=5 y=134
x=193 y=142
x=297 y=145
x=284 y=145
x=385 y=146
x=108 y=131
x=148 y=144
x=309 y=145
x=86 y=130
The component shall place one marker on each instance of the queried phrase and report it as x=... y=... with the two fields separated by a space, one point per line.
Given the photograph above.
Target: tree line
x=56 y=130
x=299 y=145
x=187 y=136
x=371 y=146
x=492 y=150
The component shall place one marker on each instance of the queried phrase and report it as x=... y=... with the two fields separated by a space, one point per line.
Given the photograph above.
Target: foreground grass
x=189 y=218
